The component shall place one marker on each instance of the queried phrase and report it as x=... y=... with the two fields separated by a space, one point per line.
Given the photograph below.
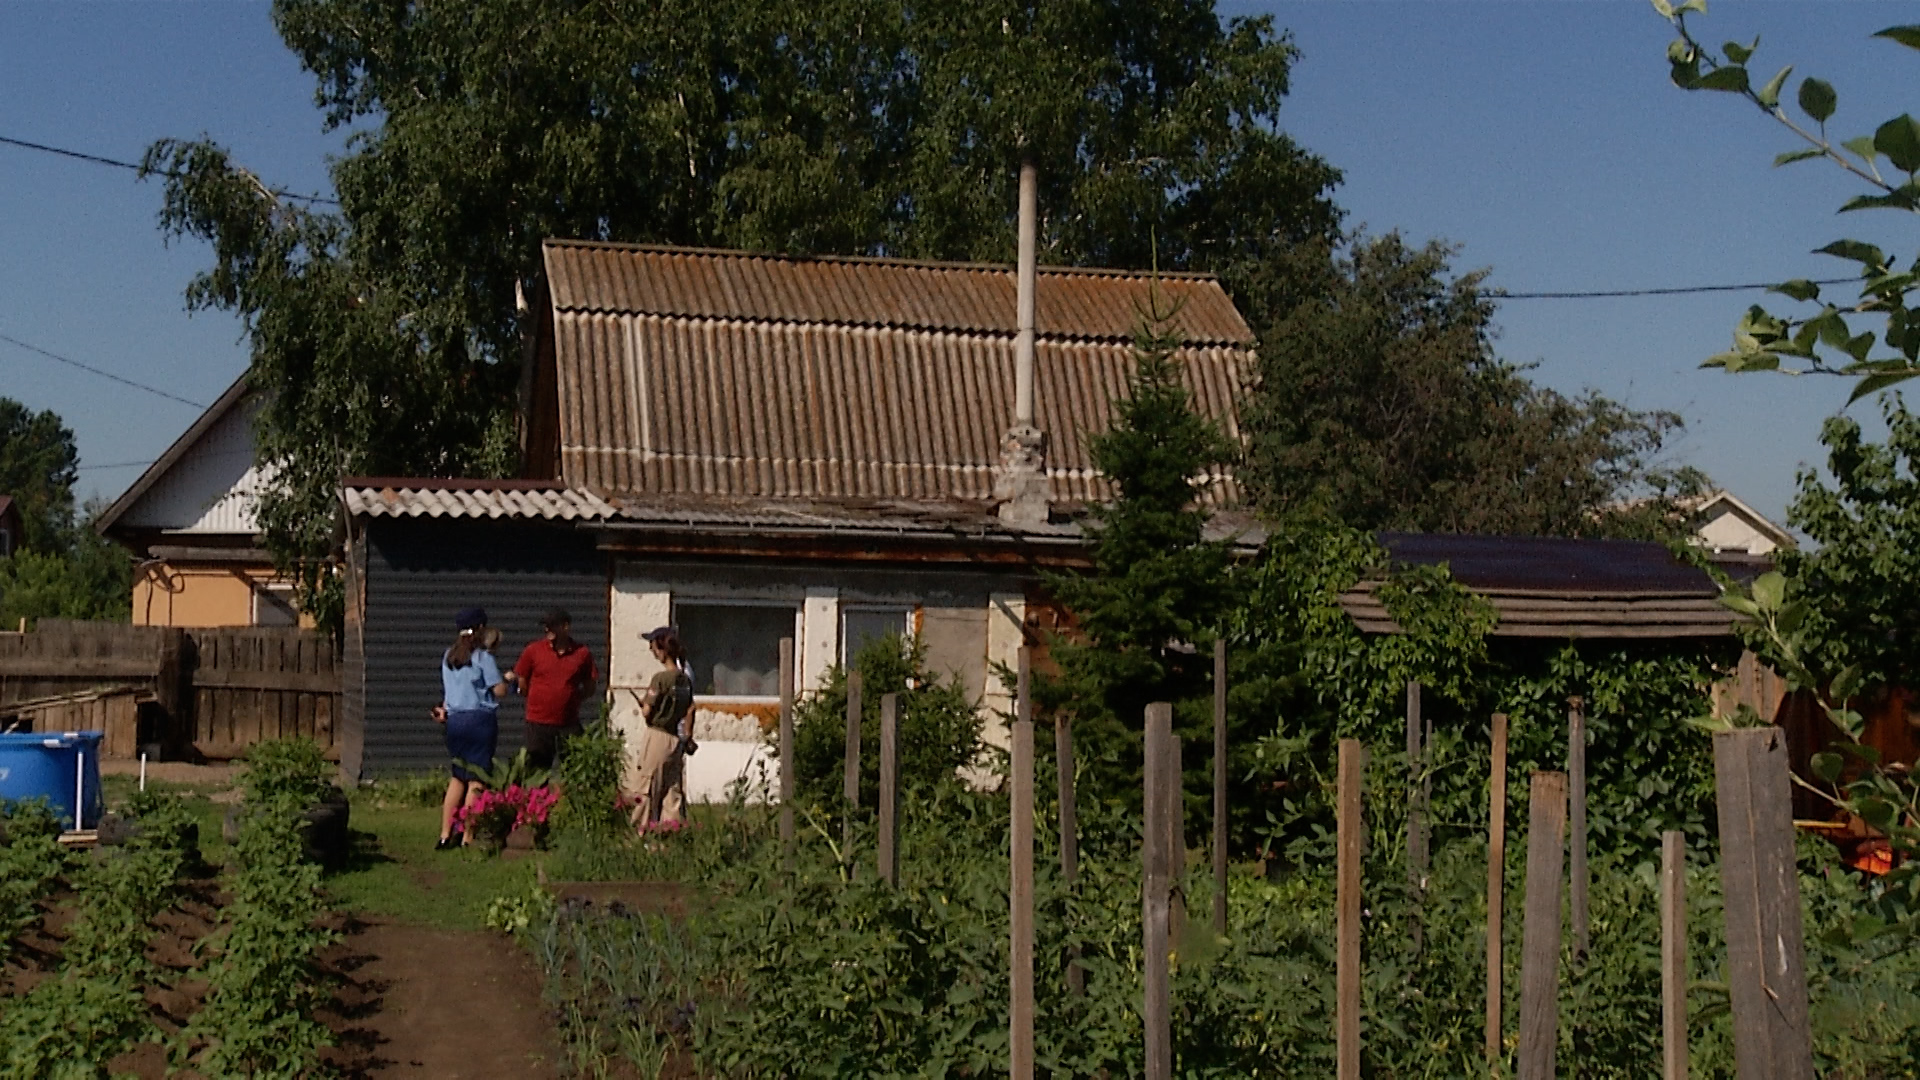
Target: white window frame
x=276 y=590
x=799 y=623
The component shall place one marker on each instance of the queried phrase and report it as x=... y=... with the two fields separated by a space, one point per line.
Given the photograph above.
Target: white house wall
x=209 y=490
x=957 y=615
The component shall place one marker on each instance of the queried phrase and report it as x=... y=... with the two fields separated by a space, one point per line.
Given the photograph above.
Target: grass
x=395 y=873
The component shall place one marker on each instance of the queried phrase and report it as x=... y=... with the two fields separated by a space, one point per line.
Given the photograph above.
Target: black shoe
x=448 y=843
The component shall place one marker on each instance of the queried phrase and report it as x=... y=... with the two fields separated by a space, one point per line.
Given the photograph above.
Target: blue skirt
x=471 y=736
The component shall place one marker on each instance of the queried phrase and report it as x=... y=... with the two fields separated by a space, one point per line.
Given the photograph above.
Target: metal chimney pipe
x=1023 y=342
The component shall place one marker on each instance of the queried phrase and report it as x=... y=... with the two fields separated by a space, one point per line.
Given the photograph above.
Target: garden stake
x=1021 y=875
x=1154 y=902
x=1766 y=971
x=786 y=750
x=1350 y=835
x=889 y=856
x=1540 y=940
x=1577 y=792
x=1496 y=888
x=850 y=786
x=1673 y=953
x=1220 y=786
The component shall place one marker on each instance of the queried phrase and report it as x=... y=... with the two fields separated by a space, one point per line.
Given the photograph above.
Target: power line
x=96 y=159
x=96 y=371
x=1680 y=291
x=114 y=465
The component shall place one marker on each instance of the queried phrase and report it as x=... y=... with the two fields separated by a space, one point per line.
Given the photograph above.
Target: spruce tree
x=1146 y=613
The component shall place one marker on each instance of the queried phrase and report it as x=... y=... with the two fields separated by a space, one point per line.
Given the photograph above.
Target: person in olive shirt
x=667 y=705
x=556 y=674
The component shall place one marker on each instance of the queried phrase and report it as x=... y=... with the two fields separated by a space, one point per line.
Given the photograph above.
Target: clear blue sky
x=1543 y=138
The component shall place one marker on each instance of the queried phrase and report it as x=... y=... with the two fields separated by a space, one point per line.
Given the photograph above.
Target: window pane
x=867 y=625
x=274 y=607
x=735 y=651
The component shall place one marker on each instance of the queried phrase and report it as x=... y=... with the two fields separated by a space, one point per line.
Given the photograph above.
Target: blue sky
x=1543 y=138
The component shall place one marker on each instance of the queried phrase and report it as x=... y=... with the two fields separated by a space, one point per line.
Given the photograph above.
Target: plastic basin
x=56 y=766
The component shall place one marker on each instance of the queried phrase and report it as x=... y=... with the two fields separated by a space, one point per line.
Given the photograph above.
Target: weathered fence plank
x=850 y=780
x=1577 y=813
x=1673 y=954
x=786 y=750
x=1350 y=835
x=1020 y=950
x=1496 y=888
x=888 y=852
x=1220 y=786
x=1069 y=838
x=1156 y=886
x=1766 y=972
x=1540 y=942
x=1416 y=813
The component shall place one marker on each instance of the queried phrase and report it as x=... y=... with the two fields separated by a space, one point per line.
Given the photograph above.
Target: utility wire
x=1680 y=291
x=98 y=160
x=113 y=465
x=96 y=371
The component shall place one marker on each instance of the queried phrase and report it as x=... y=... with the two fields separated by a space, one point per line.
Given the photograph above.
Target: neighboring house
x=189 y=520
x=1726 y=525
x=754 y=448
x=10 y=527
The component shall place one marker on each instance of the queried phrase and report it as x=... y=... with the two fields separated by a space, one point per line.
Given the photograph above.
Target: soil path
x=464 y=1005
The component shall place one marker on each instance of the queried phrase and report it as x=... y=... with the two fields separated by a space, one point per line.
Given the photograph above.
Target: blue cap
x=470 y=618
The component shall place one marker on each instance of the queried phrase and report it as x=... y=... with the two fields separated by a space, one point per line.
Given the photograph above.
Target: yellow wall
x=198 y=596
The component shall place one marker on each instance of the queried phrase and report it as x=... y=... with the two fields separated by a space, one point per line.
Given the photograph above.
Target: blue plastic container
x=58 y=766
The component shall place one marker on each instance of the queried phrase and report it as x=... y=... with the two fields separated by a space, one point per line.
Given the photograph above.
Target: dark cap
x=660 y=633
x=556 y=618
x=470 y=618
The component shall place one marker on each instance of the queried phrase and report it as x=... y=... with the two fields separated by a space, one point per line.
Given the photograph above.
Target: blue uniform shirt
x=467 y=687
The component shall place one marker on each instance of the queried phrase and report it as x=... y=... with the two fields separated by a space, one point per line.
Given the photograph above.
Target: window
x=860 y=626
x=734 y=648
x=273 y=606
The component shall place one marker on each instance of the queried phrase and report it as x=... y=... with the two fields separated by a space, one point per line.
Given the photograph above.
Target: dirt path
x=464 y=1005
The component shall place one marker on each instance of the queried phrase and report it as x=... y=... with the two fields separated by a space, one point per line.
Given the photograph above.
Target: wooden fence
x=208 y=693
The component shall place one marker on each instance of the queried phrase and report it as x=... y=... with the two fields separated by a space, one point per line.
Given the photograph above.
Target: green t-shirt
x=672 y=698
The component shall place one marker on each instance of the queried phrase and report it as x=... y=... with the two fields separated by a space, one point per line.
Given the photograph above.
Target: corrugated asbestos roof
x=429 y=499
x=1555 y=587
x=717 y=373
x=632 y=279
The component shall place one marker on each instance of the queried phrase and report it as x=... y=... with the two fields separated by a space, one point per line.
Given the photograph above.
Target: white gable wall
x=211 y=489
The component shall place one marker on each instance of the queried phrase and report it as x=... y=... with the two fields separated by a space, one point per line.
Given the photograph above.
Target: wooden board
x=1540 y=942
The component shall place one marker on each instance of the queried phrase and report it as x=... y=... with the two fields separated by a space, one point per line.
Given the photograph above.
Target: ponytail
x=461 y=654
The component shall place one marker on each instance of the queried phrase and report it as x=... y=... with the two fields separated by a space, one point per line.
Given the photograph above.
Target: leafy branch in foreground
x=1826 y=342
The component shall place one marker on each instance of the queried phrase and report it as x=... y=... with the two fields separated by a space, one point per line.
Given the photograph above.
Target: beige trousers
x=654 y=777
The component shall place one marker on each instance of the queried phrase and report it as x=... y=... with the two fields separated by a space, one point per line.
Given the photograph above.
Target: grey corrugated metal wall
x=419 y=572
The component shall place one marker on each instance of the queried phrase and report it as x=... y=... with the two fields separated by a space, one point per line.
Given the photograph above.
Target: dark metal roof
x=632 y=279
x=1553 y=564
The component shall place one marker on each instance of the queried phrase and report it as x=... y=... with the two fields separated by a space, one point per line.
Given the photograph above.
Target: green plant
x=516 y=771
x=293 y=771
x=514 y=913
x=588 y=776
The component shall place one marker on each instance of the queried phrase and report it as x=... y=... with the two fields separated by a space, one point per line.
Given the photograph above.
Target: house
x=189 y=521
x=1726 y=525
x=751 y=448
x=10 y=526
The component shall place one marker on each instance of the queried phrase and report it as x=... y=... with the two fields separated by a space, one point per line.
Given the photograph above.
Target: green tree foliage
x=1831 y=340
x=1380 y=403
x=61 y=568
x=388 y=334
x=1150 y=606
x=938 y=733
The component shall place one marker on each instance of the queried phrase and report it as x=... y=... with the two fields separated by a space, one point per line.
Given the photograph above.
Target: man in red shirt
x=556 y=674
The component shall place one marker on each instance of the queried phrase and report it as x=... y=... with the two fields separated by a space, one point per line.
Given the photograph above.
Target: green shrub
x=588 y=775
x=294 y=770
x=938 y=735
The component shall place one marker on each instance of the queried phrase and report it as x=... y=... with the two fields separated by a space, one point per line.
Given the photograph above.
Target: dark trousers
x=546 y=743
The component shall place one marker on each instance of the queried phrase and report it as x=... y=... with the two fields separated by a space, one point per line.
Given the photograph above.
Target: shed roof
x=1557 y=587
x=688 y=372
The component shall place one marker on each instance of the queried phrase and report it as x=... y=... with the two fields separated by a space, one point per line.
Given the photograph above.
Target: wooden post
x=850 y=781
x=1416 y=811
x=1020 y=921
x=1069 y=840
x=1673 y=953
x=1176 y=826
x=889 y=853
x=1766 y=972
x=1540 y=945
x=1220 y=786
x=1577 y=813
x=786 y=749
x=1351 y=832
x=1155 y=899
x=1496 y=889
